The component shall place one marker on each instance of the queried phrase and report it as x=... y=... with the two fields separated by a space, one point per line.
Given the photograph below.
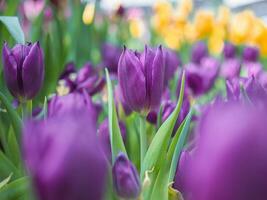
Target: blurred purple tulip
x=233 y=89
x=87 y=78
x=199 y=51
x=23 y=69
x=60 y=105
x=125 y=178
x=200 y=79
x=231 y=68
x=250 y=54
x=230 y=157
x=172 y=62
x=229 y=50
x=263 y=79
x=181 y=172
x=168 y=107
x=104 y=136
x=64 y=158
x=253 y=68
x=110 y=56
x=120 y=100
x=141 y=78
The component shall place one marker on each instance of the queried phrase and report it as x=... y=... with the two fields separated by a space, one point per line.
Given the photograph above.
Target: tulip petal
x=33 y=71
x=157 y=82
x=10 y=71
x=132 y=80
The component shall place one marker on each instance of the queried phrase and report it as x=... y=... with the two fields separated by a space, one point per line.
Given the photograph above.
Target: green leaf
x=5 y=181
x=13 y=115
x=16 y=189
x=116 y=141
x=168 y=168
x=7 y=167
x=160 y=142
x=14 y=28
x=179 y=145
x=13 y=146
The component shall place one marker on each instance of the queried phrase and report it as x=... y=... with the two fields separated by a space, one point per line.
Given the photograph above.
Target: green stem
x=26 y=109
x=143 y=139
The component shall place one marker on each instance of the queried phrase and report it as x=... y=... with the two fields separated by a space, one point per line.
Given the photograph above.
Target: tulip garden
x=131 y=104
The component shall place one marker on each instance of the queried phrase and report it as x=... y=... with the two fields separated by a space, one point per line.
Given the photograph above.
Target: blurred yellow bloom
x=137 y=27
x=240 y=27
x=185 y=7
x=216 y=40
x=203 y=22
x=224 y=15
x=88 y=13
x=190 y=33
x=163 y=7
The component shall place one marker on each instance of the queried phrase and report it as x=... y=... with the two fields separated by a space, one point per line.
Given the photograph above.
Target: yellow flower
x=203 y=22
x=137 y=27
x=224 y=15
x=240 y=27
x=216 y=40
x=88 y=13
x=173 y=37
x=185 y=7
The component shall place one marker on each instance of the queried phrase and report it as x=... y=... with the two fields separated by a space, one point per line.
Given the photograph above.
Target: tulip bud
x=64 y=157
x=125 y=178
x=199 y=51
x=229 y=50
x=23 y=69
x=250 y=54
x=141 y=78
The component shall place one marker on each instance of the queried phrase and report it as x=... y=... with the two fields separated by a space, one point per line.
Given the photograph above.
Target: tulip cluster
x=88 y=112
x=174 y=26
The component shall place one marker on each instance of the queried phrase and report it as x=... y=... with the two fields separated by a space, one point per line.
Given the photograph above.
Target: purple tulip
x=230 y=157
x=125 y=178
x=172 y=62
x=200 y=79
x=111 y=55
x=263 y=79
x=233 y=89
x=60 y=105
x=168 y=107
x=229 y=50
x=250 y=54
x=199 y=51
x=255 y=91
x=120 y=101
x=253 y=68
x=23 y=69
x=141 y=78
x=104 y=136
x=87 y=78
x=64 y=157
x=180 y=176
x=231 y=68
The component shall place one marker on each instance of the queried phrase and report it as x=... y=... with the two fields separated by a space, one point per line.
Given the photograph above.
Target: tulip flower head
x=125 y=178
x=230 y=157
x=23 y=69
x=64 y=157
x=141 y=78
